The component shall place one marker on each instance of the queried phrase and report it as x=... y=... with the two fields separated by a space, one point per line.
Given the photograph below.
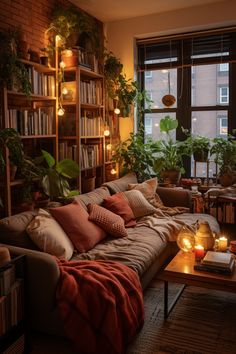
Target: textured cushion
x=113 y=224
x=94 y=197
x=121 y=184
x=83 y=233
x=48 y=235
x=119 y=205
x=13 y=230
x=148 y=188
x=139 y=204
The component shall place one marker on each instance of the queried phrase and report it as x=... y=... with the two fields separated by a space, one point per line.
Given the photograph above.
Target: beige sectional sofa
x=146 y=248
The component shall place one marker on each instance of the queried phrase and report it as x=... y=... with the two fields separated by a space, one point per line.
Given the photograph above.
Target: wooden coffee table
x=181 y=270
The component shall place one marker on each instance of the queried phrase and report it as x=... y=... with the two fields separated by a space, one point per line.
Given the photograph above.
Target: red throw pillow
x=113 y=224
x=83 y=233
x=120 y=206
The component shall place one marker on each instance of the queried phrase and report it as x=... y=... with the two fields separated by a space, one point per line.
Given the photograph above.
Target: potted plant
x=55 y=176
x=197 y=145
x=224 y=152
x=134 y=155
x=13 y=74
x=168 y=163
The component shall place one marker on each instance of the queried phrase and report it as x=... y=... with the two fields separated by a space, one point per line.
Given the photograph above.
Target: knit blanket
x=101 y=305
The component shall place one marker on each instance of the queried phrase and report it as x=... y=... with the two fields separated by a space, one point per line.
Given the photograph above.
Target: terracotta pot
x=201 y=155
x=88 y=184
x=227 y=179
x=70 y=57
x=171 y=176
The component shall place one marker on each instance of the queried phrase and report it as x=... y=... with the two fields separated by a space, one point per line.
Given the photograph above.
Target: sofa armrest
x=172 y=197
x=41 y=278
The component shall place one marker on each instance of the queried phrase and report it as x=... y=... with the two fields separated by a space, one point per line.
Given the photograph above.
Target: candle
x=222 y=244
x=199 y=252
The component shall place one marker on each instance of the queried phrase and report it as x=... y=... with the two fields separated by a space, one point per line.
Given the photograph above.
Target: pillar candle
x=222 y=244
x=199 y=252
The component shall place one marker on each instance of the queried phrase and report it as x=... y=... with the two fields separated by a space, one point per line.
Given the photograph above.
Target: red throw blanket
x=101 y=305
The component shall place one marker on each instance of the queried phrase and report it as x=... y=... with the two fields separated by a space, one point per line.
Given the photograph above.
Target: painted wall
x=121 y=35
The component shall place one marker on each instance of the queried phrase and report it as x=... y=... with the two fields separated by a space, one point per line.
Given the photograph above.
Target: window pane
x=210 y=124
x=209 y=88
x=158 y=84
x=152 y=125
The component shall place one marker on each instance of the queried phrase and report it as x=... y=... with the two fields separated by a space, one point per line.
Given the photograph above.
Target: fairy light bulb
x=117 y=111
x=106 y=132
x=64 y=91
x=61 y=111
x=113 y=171
x=108 y=146
x=62 y=64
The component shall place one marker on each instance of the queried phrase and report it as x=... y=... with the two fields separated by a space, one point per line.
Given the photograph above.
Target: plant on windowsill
x=168 y=160
x=197 y=145
x=224 y=152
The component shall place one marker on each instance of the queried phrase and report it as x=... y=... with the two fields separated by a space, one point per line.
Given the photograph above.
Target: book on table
x=217 y=262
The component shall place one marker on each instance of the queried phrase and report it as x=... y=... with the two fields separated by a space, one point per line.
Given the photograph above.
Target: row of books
x=32 y=122
x=90 y=156
x=225 y=214
x=217 y=262
x=87 y=59
x=7 y=278
x=11 y=307
x=91 y=92
x=41 y=83
x=91 y=124
x=67 y=151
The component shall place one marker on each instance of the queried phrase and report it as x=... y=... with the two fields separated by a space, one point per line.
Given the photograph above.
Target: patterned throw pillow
x=111 y=223
x=139 y=204
x=118 y=204
x=83 y=233
x=148 y=188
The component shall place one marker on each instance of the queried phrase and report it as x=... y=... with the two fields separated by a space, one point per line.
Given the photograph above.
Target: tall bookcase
x=81 y=128
x=35 y=119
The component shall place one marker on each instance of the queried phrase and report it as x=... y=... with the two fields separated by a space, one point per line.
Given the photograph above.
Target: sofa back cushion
x=74 y=220
x=149 y=190
x=121 y=184
x=94 y=197
x=13 y=230
x=49 y=236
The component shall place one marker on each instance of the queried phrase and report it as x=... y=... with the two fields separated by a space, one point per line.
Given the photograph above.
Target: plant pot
x=201 y=155
x=69 y=57
x=227 y=179
x=171 y=176
x=88 y=184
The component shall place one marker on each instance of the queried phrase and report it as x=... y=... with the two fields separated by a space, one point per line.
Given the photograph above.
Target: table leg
x=168 y=308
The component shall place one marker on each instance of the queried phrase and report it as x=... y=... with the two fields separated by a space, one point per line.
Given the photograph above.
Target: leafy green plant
x=12 y=71
x=11 y=139
x=168 y=152
x=197 y=145
x=224 y=152
x=56 y=176
x=135 y=156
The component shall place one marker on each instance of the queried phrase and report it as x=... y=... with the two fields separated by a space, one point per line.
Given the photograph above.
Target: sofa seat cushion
x=138 y=250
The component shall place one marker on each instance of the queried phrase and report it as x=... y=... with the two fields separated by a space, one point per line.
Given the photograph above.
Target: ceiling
x=113 y=10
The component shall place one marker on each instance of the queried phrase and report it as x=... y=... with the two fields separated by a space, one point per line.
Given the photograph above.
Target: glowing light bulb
x=108 y=146
x=61 y=111
x=164 y=71
x=106 y=132
x=62 y=64
x=64 y=91
x=117 y=111
x=113 y=171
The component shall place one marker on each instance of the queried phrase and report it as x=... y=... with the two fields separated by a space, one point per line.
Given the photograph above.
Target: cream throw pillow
x=48 y=235
x=148 y=189
x=139 y=204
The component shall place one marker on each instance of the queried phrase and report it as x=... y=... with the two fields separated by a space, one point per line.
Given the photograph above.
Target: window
x=201 y=71
x=224 y=95
x=148 y=126
x=223 y=126
x=148 y=74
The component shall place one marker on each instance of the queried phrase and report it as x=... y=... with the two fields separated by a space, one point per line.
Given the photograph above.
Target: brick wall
x=33 y=16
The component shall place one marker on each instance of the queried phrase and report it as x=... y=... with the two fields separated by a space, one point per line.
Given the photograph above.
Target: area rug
x=202 y=322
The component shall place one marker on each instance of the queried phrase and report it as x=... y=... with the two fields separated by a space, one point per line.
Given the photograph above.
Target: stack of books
x=217 y=262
